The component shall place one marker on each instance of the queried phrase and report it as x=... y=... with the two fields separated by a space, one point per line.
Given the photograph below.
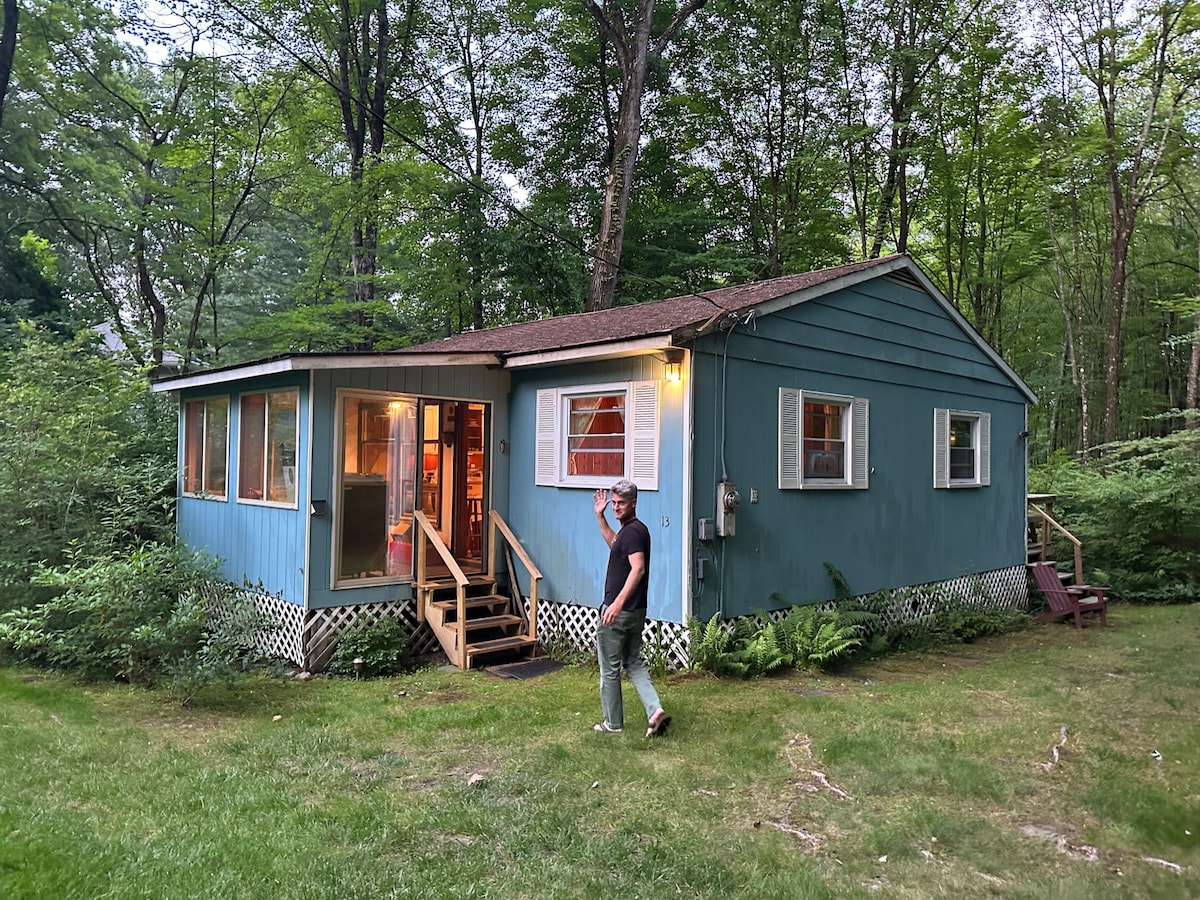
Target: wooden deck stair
x=471 y=618
x=491 y=627
x=1039 y=528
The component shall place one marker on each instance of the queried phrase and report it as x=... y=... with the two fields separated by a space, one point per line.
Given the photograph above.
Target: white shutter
x=546 y=465
x=790 y=471
x=859 y=457
x=941 y=448
x=985 y=448
x=643 y=434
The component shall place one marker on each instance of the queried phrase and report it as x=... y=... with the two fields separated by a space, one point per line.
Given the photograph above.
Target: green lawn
x=924 y=775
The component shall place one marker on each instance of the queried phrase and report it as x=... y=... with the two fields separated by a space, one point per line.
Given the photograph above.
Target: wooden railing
x=424 y=531
x=1043 y=522
x=496 y=523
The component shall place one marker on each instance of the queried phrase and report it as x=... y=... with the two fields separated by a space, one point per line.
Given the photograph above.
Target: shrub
x=381 y=646
x=805 y=637
x=136 y=616
x=87 y=460
x=954 y=618
x=1136 y=510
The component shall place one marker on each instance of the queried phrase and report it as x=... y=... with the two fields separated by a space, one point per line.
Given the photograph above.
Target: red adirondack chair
x=1068 y=600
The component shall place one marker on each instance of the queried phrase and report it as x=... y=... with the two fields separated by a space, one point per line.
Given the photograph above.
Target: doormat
x=526 y=668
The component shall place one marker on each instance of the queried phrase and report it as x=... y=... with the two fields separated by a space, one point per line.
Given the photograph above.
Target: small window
x=822 y=440
x=205 y=447
x=268 y=424
x=593 y=436
x=961 y=448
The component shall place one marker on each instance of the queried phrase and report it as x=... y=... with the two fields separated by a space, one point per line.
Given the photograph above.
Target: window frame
x=641 y=449
x=205 y=493
x=338 y=581
x=981 y=440
x=263 y=449
x=791 y=438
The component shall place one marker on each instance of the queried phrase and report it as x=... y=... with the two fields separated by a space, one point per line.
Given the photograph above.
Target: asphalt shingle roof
x=676 y=315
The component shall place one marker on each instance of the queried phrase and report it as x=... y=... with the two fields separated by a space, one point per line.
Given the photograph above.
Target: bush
x=139 y=616
x=754 y=645
x=1136 y=511
x=954 y=619
x=87 y=460
x=381 y=646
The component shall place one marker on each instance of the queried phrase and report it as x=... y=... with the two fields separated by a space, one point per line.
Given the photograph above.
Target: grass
x=923 y=775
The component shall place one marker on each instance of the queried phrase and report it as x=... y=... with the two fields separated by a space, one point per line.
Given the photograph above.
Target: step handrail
x=496 y=523
x=425 y=531
x=1048 y=522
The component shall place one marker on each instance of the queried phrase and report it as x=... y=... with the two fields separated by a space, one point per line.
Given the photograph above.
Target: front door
x=454 y=475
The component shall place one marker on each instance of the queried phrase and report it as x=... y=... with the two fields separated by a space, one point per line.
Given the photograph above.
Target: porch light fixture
x=673 y=366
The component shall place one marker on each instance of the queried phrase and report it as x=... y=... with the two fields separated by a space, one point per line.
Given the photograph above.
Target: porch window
x=962 y=451
x=267 y=439
x=592 y=436
x=822 y=440
x=378 y=477
x=205 y=447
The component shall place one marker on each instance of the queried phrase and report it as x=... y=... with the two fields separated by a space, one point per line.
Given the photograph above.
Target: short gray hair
x=627 y=489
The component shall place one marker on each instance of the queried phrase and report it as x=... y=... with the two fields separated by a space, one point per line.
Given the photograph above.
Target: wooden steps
x=489 y=627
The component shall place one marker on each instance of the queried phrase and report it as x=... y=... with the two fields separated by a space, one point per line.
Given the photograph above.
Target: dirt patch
x=1062 y=843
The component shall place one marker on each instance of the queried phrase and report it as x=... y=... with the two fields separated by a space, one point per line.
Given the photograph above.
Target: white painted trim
x=685 y=493
x=306 y=507
x=608 y=350
x=304 y=363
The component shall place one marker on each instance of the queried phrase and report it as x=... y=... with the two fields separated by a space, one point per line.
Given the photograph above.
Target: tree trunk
x=1114 y=349
x=633 y=53
x=607 y=252
x=1194 y=367
x=8 y=49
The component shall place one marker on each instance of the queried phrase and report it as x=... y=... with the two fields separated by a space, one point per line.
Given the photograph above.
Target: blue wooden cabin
x=849 y=416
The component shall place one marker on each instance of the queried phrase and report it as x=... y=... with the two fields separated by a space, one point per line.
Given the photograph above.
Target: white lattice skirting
x=309 y=638
x=563 y=627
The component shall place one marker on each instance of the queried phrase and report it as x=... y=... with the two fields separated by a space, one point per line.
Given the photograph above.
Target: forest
x=222 y=180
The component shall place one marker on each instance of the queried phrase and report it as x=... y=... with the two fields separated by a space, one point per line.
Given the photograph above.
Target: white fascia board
x=614 y=350
x=396 y=360
x=221 y=376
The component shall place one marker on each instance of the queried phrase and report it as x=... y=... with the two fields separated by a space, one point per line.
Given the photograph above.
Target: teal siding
x=256 y=543
x=475 y=383
x=558 y=525
x=896 y=347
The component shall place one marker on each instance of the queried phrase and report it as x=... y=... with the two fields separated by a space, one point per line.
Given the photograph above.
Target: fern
x=841 y=587
x=707 y=644
x=765 y=652
x=833 y=641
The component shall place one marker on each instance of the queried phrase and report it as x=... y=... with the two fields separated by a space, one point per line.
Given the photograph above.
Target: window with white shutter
x=962 y=448
x=823 y=440
x=592 y=436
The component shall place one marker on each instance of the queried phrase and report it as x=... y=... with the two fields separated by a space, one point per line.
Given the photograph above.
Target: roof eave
x=316 y=362
x=643 y=346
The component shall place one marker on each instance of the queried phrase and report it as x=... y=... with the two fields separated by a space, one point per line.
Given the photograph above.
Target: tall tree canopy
x=232 y=179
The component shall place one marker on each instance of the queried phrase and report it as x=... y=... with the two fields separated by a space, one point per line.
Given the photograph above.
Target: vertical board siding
x=256 y=543
x=894 y=347
x=475 y=383
x=558 y=525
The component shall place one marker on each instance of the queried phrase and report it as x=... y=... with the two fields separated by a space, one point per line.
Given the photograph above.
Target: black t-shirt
x=633 y=537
